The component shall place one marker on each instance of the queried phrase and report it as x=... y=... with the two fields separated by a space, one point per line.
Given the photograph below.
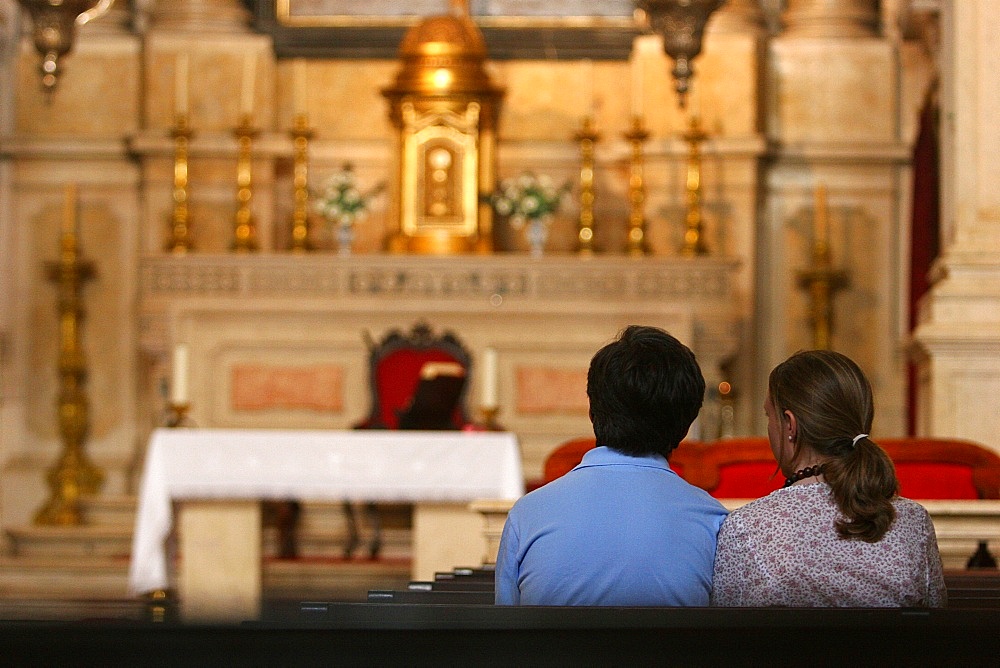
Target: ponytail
x=863 y=484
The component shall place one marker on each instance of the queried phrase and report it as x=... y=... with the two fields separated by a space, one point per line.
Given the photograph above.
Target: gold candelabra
x=586 y=137
x=245 y=230
x=73 y=474
x=490 y=414
x=177 y=415
x=821 y=280
x=637 y=136
x=301 y=134
x=180 y=225
x=694 y=240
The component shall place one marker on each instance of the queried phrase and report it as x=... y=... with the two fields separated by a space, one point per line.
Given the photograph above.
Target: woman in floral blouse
x=837 y=533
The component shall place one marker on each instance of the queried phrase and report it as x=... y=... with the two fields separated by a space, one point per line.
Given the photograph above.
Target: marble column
x=199 y=15
x=832 y=119
x=830 y=18
x=738 y=16
x=959 y=332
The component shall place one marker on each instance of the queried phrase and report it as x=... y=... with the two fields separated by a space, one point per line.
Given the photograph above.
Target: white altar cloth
x=388 y=466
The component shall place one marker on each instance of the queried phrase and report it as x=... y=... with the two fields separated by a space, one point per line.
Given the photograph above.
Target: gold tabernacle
x=445 y=110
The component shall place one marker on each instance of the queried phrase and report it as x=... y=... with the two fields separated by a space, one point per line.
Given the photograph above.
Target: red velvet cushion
x=747 y=480
x=920 y=480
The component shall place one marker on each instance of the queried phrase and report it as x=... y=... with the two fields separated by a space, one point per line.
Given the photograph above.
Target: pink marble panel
x=257 y=387
x=551 y=390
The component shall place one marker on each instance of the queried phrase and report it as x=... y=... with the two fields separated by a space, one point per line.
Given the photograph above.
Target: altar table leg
x=446 y=535
x=220 y=575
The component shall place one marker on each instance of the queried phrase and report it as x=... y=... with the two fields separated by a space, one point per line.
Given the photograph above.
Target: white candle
x=249 y=82
x=70 y=219
x=822 y=226
x=489 y=388
x=179 y=386
x=299 y=87
x=181 y=84
x=637 y=92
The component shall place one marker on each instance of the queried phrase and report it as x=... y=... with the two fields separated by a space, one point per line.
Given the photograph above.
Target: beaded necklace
x=801 y=474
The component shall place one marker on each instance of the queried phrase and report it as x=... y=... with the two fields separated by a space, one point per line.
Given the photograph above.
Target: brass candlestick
x=490 y=414
x=822 y=281
x=73 y=474
x=637 y=136
x=301 y=134
x=177 y=415
x=245 y=231
x=180 y=230
x=586 y=137
x=694 y=241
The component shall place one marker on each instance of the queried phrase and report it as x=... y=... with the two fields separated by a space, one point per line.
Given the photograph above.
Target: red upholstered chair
x=562 y=460
x=395 y=365
x=398 y=364
x=927 y=468
x=744 y=468
x=938 y=468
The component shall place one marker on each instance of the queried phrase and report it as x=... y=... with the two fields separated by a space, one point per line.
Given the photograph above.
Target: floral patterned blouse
x=783 y=550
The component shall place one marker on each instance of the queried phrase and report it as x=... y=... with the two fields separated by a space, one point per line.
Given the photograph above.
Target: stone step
x=71 y=541
x=94 y=578
x=102 y=581
x=108 y=509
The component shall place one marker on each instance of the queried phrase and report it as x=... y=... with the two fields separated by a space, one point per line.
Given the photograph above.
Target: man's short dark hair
x=645 y=390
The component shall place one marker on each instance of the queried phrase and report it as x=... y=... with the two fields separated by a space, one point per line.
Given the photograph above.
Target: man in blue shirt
x=621 y=528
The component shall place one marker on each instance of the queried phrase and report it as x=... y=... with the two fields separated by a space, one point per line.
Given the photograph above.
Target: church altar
x=220 y=571
x=279 y=340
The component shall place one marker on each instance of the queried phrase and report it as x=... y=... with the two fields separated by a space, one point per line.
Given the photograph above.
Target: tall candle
x=637 y=82
x=588 y=86
x=181 y=84
x=489 y=388
x=299 y=86
x=821 y=222
x=70 y=205
x=179 y=386
x=249 y=82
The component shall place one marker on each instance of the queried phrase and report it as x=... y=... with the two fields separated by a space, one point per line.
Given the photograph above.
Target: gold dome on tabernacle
x=443 y=55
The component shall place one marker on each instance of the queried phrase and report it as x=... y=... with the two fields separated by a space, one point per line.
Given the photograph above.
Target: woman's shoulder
x=797 y=498
x=908 y=509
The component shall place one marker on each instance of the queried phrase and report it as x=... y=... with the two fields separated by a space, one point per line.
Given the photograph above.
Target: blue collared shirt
x=616 y=530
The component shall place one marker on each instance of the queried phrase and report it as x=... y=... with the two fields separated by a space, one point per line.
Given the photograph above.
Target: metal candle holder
x=245 y=231
x=822 y=281
x=586 y=137
x=177 y=415
x=490 y=414
x=180 y=225
x=637 y=136
x=74 y=474
x=694 y=241
x=301 y=134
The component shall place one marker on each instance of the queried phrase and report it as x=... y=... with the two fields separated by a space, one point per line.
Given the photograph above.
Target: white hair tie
x=857 y=438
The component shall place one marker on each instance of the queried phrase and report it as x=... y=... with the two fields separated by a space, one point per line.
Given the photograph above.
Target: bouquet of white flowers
x=340 y=201
x=528 y=197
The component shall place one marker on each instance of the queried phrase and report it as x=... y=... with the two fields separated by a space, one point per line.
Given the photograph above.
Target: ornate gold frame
x=567 y=32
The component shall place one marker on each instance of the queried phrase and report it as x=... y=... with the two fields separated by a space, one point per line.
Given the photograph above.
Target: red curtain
x=925 y=226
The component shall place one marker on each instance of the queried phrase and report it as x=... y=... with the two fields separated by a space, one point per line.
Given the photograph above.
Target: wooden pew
x=431 y=597
x=979 y=589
